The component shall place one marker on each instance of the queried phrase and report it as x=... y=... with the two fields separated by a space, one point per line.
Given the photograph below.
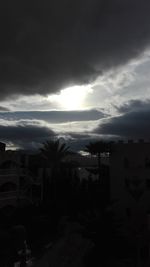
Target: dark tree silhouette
x=53 y=152
x=98 y=148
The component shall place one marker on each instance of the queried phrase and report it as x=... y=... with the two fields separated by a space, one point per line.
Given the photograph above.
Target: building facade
x=15 y=180
x=130 y=171
x=130 y=184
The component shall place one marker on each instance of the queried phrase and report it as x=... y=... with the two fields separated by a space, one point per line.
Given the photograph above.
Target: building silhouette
x=16 y=180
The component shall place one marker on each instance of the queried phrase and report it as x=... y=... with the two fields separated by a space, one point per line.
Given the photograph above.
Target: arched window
x=147 y=162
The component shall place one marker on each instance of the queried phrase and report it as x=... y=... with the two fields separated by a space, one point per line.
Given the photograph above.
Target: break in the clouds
x=133 y=123
x=49 y=45
x=53 y=116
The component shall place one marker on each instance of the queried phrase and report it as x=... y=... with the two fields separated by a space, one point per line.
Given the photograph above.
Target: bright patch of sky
x=74 y=127
x=72 y=98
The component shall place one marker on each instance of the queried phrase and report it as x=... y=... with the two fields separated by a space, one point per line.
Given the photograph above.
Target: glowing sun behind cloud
x=71 y=98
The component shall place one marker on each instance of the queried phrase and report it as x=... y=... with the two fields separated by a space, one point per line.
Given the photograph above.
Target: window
x=148 y=183
x=127 y=182
x=126 y=163
x=128 y=212
x=136 y=181
x=147 y=163
x=22 y=181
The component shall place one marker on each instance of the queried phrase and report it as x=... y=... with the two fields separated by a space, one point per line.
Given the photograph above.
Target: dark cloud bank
x=134 y=105
x=30 y=135
x=134 y=123
x=46 y=45
x=25 y=135
x=30 y=129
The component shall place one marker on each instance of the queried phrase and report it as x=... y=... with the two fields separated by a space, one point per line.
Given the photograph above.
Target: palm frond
x=54 y=150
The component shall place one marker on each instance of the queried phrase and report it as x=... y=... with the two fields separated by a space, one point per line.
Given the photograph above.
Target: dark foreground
x=90 y=238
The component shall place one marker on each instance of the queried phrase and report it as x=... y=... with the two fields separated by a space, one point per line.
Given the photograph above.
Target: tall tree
x=53 y=152
x=98 y=148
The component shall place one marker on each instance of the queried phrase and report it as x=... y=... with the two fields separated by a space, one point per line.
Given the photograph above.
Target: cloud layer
x=29 y=129
x=48 y=45
x=132 y=124
x=25 y=134
x=53 y=116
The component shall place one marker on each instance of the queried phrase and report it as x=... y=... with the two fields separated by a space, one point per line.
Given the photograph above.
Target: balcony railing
x=10 y=194
x=21 y=171
x=8 y=172
x=14 y=194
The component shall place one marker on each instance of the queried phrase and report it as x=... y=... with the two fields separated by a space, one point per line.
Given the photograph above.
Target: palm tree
x=98 y=148
x=53 y=152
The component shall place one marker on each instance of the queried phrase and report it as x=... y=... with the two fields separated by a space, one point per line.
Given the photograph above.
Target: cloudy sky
x=74 y=69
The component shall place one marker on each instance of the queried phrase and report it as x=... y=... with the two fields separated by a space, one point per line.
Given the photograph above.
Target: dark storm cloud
x=132 y=124
x=3 y=109
x=47 y=45
x=54 y=116
x=25 y=133
x=30 y=135
x=134 y=105
x=78 y=141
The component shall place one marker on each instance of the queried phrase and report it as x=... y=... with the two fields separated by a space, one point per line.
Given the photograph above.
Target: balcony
x=9 y=172
x=8 y=195
x=16 y=196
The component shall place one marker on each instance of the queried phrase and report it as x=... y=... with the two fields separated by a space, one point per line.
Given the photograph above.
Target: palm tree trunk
x=44 y=185
x=99 y=165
